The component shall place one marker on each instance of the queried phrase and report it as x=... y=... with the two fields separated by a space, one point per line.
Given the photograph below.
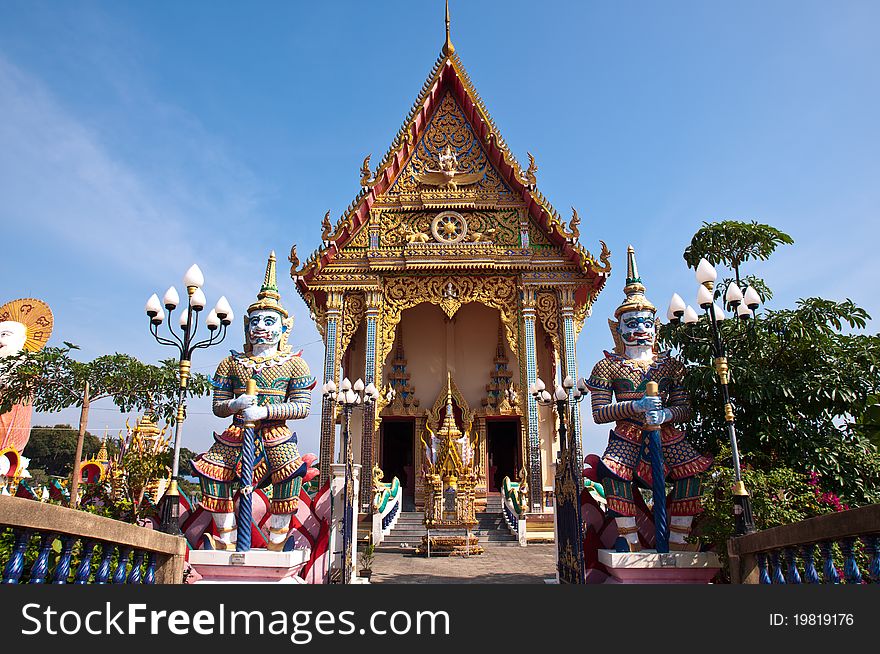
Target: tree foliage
x=732 y=243
x=51 y=449
x=798 y=378
x=53 y=380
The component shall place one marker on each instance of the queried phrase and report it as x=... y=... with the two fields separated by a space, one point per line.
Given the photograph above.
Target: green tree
x=52 y=449
x=53 y=380
x=732 y=243
x=798 y=378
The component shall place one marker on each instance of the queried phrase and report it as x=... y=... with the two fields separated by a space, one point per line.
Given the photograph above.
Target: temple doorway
x=398 y=436
x=502 y=452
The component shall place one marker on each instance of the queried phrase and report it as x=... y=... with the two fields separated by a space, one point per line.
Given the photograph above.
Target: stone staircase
x=491 y=527
x=407 y=533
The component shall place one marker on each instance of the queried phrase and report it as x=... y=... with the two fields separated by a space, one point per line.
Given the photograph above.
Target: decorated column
x=373 y=300
x=331 y=359
x=566 y=310
x=534 y=454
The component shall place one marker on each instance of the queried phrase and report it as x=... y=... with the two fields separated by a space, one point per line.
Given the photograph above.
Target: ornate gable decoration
x=448 y=166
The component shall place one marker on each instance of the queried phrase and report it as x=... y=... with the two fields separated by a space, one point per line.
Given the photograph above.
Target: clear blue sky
x=138 y=138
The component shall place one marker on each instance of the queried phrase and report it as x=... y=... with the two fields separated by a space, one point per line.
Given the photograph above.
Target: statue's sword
x=245 y=501
x=651 y=437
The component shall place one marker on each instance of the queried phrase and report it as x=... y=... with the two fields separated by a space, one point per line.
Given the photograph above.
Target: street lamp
x=568 y=479
x=744 y=304
x=349 y=396
x=218 y=319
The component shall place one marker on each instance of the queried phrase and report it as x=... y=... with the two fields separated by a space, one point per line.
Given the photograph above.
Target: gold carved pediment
x=449 y=131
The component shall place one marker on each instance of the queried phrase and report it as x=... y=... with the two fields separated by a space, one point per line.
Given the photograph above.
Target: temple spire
x=448 y=48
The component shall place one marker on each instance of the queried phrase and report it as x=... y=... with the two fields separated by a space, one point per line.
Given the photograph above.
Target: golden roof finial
x=448 y=48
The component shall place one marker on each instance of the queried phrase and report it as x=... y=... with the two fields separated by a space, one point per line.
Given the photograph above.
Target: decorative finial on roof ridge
x=448 y=48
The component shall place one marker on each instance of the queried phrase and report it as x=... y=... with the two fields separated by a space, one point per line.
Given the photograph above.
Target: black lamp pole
x=219 y=318
x=744 y=522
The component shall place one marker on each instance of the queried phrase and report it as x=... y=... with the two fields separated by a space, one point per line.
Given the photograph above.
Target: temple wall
x=465 y=346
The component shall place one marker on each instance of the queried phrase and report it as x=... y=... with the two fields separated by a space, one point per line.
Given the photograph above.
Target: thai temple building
x=450 y=281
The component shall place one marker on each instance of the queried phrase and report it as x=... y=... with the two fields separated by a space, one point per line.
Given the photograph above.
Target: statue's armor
x=626 y=457
x=284 y=385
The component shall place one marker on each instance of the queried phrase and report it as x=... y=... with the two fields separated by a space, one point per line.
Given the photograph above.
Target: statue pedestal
x=256 y=566
x=649 y=567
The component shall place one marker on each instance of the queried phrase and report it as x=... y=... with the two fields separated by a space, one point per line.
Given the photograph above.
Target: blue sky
x=138 y=138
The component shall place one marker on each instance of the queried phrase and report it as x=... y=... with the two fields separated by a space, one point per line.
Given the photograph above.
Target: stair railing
x=387 y=503
x=512 y=508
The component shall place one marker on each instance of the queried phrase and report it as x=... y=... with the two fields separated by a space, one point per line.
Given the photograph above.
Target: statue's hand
x=658 y=417
x=242 y=402
x=648 y=403
x=254 y=413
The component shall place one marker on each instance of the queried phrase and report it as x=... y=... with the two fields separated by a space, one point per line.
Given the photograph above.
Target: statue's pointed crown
x=635 y=299
x=269 y=297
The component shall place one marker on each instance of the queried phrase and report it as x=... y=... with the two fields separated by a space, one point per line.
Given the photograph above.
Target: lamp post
x=568 y=481
x=219 y=318
x=561 y=399
x=349 y=396
x=744 y=304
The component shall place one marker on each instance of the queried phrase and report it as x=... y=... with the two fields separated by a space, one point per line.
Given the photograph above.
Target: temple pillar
x=569 y=362
x=331 y=370
x=373 y=300
x=536 y=483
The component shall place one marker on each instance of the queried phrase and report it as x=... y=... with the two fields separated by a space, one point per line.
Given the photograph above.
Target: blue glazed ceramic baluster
x=851 y=571
x=119 y=573
x=828 y=567
x=778 y=577
x=134 y=577
x=762 y=569
x=84 y=569
x=40 y=568
x=62 y=568
x=792 y=575
x=872 y=543
x=811 y=575
x=15 y=565
x=150 y=574
x=102 y=576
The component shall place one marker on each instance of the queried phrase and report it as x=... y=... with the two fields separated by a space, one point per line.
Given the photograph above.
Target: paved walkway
x=497 y=565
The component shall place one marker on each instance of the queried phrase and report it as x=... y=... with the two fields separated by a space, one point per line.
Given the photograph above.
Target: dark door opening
x=502 y=451
x=397 y=457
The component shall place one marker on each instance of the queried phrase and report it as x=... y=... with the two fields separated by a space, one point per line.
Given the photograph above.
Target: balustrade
x=61 y=545
x=788 y=554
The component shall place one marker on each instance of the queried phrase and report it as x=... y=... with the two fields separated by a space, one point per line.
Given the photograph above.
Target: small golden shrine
x=450 y=266
x=145 y=439
x=450 y=473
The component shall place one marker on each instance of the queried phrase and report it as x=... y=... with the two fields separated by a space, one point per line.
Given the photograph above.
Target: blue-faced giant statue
x=284 y=384
x=617 y=384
